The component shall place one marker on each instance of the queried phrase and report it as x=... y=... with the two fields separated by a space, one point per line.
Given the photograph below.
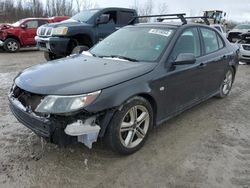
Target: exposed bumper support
x=87 y=132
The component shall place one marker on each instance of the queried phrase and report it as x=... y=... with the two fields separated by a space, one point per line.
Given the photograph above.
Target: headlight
x=60 y=31
x=53 y=104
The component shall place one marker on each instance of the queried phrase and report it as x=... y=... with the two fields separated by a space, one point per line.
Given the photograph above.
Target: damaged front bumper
x=62 y=130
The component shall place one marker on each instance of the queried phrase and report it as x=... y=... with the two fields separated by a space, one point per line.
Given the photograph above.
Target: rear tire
x=130 y=126
x=226 y=84
x=11 y=45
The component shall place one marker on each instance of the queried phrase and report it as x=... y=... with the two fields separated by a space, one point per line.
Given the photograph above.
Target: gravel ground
x=206 y=146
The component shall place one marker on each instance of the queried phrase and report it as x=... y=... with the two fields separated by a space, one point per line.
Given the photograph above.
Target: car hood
x=239 y=31
x=4 y=26
x=66 y=23
x=79 y=74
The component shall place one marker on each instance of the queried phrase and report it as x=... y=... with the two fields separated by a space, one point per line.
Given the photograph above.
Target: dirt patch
x=207 y=146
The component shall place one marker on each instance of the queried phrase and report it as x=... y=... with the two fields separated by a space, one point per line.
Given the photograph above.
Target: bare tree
x=162 y=8
x=144 y=9
x=84 y=5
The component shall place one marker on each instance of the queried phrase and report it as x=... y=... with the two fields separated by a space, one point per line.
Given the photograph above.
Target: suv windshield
x=84 y=16
x=134 y=44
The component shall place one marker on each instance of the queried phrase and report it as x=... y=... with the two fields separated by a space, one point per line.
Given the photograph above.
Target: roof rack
x=178 y=16
x=172 y=17
x=205 y=19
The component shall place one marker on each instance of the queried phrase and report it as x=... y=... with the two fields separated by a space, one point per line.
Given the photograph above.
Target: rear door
x=215 y=59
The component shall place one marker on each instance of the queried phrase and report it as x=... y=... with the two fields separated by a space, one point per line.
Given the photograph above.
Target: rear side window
x=221 y=44
x=124 y=17
x=188 y=42
x=212 y=41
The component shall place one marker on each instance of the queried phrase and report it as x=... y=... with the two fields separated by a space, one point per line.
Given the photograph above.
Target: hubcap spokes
x=227 y=83
x=12 y=46
x=134 y=126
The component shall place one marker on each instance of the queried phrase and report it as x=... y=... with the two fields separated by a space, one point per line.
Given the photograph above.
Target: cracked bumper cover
x=55 y=130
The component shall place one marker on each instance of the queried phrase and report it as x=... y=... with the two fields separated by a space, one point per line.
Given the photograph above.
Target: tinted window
x=125 y=17
x=147 y=44
x=188 y=42
x=210 y=40
x=32 y=24
x=42 y=22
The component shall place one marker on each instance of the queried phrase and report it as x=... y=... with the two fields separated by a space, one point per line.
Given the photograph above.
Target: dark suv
x=138 y=77
x=81 y=31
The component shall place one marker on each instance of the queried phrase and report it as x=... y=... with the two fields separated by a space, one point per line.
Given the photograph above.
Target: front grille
x=246 y=47
x=28 y=100
x=45 y=31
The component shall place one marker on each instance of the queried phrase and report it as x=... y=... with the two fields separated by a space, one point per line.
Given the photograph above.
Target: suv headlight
x=55 y=104
x=60 y=31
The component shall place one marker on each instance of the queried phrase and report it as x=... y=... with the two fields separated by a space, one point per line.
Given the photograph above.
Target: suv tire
x=11 y=45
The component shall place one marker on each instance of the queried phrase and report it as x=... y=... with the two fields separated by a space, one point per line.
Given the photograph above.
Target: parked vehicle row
x=134 y=79
x=22 y=33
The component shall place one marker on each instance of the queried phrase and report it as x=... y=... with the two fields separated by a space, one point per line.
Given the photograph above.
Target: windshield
x=134 y=43
x=17 y=24
x=84 y=16
x=242 y=27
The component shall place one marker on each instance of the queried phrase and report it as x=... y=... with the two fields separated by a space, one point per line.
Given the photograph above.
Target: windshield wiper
x=121 y=57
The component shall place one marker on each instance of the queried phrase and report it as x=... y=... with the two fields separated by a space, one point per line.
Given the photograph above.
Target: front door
x=104 y=30
x=29 y=33
x=183 y=83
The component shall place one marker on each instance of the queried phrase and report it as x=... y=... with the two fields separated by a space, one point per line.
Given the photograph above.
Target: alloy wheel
x=227 y=83
x=134 y=126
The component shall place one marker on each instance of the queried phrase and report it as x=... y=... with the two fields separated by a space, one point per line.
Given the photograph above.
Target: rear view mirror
x=185 y=59
x=103 y=19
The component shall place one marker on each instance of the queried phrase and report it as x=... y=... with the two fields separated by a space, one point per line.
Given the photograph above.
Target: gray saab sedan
x=137 y=78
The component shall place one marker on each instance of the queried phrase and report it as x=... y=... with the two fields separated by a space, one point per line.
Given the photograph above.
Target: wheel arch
x=14 y=37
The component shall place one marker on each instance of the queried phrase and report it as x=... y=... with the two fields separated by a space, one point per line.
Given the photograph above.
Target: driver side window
x=32 y=24
x=188 y=42
x=112 y=17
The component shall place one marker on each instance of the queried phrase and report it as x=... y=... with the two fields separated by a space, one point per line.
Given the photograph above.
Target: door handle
x=202 y=65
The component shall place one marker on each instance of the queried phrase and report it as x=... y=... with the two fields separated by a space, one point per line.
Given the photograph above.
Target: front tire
x=79 y=49
x=11 y=45
x=130 y=126
x=50 y=56
x=226 y=84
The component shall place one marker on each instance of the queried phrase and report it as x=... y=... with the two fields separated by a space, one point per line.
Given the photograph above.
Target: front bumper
x=47 y=128
x=55 y=45
x=244 y=55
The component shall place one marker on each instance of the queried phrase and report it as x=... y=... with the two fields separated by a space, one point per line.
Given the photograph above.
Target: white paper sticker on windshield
x=160 y=32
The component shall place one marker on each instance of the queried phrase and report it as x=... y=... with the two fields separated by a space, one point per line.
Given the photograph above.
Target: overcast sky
x=238 y=10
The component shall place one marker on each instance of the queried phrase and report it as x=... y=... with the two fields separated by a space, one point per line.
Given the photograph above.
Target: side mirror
x=23 y=26
x=103 y=19
x=185 y=59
